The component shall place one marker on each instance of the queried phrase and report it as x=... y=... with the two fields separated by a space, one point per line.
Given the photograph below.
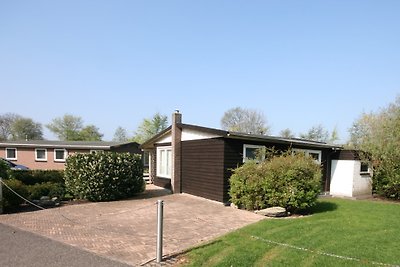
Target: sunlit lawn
x=368 y=232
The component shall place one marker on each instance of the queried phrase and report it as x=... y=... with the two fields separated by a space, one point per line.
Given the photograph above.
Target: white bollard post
x=160 y=211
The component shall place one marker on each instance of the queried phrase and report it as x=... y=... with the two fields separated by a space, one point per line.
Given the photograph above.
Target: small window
x=364 y=168
x=60 y=155
x=315 y=154
x=11 y=153
x=164 y=162
x=250 y=152
x=40 y=154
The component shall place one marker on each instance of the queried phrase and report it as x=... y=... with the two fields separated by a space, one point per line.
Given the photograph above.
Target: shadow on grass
x=208 y=244
x=322 y=207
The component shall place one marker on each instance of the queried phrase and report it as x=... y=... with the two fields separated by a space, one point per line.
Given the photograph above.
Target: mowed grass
x=366 y=231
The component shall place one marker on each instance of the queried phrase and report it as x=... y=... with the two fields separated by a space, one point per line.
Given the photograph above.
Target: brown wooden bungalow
x=198 y=160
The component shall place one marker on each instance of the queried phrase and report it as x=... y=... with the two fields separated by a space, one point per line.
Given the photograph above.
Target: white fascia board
x=189 y=134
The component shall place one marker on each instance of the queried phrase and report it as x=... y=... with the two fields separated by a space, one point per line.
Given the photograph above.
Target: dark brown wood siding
x=233 y=155
x=203 y=168
x=346 y=155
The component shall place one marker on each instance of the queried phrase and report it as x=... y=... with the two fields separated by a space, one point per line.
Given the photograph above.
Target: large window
x=315 y=154
x=251 y=152
x=11 y=153
x=164 y=162
x=60 y=155
x=41 y=154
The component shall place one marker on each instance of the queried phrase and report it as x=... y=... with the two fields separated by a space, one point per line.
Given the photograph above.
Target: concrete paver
x=126 y=230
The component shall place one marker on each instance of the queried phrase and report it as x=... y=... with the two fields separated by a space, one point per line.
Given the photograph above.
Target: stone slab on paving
x=126 y=230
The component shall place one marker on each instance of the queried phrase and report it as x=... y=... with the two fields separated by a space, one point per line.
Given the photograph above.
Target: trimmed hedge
x=104 y=176
x=292 y=181
x=31 y=177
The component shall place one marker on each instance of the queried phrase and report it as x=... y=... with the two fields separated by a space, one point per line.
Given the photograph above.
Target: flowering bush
x=104 y=176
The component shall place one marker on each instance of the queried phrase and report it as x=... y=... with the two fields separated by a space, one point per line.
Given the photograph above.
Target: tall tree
x=316 y=133
x=67 y=127
x=334 y=136
x=287 y=133
x=90 y=133
x=244 y=120
x=150 y=127
x=70 y=128
x=6 y=122
x=26 y=128
x=120 y=135
x=378 y=134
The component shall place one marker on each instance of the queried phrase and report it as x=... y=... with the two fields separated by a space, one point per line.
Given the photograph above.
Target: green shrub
x=4 y=169
x=10 y=199
x=31 y=177
x=247 y=189
x=49 y=189
x=104 y=176
x=291 y=181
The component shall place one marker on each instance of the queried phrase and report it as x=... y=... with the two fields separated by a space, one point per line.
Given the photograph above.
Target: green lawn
x=367 y=231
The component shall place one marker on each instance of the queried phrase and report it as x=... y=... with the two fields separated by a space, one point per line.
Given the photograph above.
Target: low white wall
x=342 y=172
x=346 y=180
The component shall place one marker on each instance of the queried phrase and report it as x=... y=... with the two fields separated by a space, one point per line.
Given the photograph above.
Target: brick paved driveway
x=126 y=230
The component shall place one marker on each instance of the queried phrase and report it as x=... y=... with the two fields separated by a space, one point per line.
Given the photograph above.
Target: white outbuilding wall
x=347 y=179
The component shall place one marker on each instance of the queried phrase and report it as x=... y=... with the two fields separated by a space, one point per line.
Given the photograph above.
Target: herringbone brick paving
x=126 y=230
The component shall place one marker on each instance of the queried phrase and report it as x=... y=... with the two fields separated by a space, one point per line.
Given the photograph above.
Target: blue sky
x=114 y=63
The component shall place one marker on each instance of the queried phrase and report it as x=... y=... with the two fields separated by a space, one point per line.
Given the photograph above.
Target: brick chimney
x=176 y=133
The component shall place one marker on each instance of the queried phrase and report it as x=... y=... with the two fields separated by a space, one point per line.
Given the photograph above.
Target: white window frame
x=245 y=146
x=368 y=172
x=45 y=154
x=308 y=151
x=55 y=154
x=16 y=153
x=164 y=171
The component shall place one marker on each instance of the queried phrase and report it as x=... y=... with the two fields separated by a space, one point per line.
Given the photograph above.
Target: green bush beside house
x=291 y=181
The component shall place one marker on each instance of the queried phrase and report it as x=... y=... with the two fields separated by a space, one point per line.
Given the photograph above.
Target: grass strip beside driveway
x=366 y=231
